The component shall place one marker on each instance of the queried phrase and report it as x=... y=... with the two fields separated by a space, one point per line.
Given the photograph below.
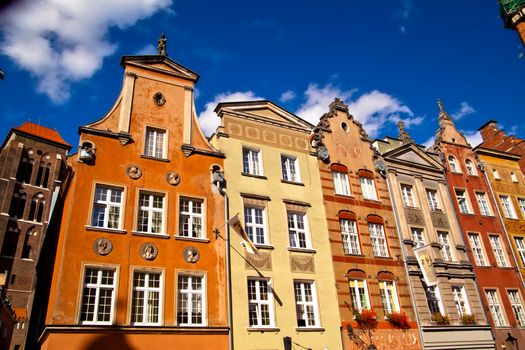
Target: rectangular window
x=464 y=207
x=260 y=303
x=432 y=198
x=461 y=301
x=483 y=204
x=107 y=207
x=417 y=237
x=477 y=249
x=445 y=246
x=255 y=224
x=251 y=161
x=306 y=304
x=495 y=308
x=377 y=236
x=368 y=187
x=297 y=230
x=508 y=207
x=191 y=217
x=350 y=236
x=433 y=299
x=388 y=297
x=408 y=196
x=146 y=300
x=517 y=307
x=520 y=245
x=497 y=248
x=341 y=184
x=155 y=143
x=521 y=203
x=359 y=294
x=191 y=300
x=98 y=296
x=290 y=168
x=151 y=213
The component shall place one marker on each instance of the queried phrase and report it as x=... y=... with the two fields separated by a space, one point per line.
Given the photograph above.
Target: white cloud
x=473 y=137
x=318 y=99
x=429 y=142
x=464 y=109
x=287 y=96
x=63 y=41
x=208 y=119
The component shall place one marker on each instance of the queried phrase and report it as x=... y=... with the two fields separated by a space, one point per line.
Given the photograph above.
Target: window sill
x=456 y=172
x=145 y=234
x=350 y=254
x=262 y=329
x=343 y=195
x=506 y=218
x=191 y=239
x=292 y=182
x=255 y=176
x=471 y=214
x=27 y=259
x=411 y=207
x=165 y=160
x=309 y=329
x=383 y=257
x=104 y=229
x=264 y=246
x=372 y=200
x=302 y=250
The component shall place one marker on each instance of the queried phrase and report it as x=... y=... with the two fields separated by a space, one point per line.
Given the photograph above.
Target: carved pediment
x=412 y=154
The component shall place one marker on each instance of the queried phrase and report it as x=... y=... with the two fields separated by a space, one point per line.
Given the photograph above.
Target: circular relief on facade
x=173 y=178
x=148 y=251
x=159 y=99
x=102 y=246
x=191 y=254
x=133 y=171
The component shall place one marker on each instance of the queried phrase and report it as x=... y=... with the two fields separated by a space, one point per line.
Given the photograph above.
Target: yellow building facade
x=284 y=295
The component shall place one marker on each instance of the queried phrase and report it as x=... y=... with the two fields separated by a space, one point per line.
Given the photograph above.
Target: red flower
x=366 y=319
x=398 y=320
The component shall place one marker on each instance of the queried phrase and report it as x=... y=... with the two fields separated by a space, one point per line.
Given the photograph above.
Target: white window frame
x=151 y=149
x=471 y=168
x=368 y=188
x=434 y=291
x=463 y=201
x=191 y=218
x=432 y=198
x=151 y=210
x=517 y=306
x=98 y=286
x=520 y=247
x=514 y=177
x=146 y=297
x=258 y=302
x=252 y=161
x=389 y=299
x=378 y=239
x=483 y=204
x=454 y=166
x=408 y=195
x=350 y=237
x=418 y=237
x=478 y=251
x=498 y=250
x=461 y=300
x=192 y=296
x=508 y=206
x=496 y=311
x=521 y=204
x=495 y=174
x=446 y=249
x=290 y=168
x=355 y=295
x=305 y=302
x=295 y=232
x=341 y=184
x=253 y=226
x=108 y=205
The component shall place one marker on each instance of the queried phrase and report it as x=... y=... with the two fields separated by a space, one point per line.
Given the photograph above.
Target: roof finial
x=161 y=45
x=440 y=105
x=403 y=134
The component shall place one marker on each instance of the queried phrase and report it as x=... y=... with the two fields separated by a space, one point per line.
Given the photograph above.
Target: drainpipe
x=222 y=191
x=400 y=237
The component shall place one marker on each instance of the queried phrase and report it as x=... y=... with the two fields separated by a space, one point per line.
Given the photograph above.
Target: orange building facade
x=365 y=247
x=138 y=265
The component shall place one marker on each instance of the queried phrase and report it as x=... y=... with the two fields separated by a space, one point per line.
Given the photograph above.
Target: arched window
x=27 y=250
x=340 y=177
x=349 y=233
x=18 y=204
x=42 y=176
x=453 y=164
x=25 y=169
x=471 y=169
x=387 y=289
x=36 y=209
x=10 y=242
x=358 y=289
x=47 y=171
x=377 y=235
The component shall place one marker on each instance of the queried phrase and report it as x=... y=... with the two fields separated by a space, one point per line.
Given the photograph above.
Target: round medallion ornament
x=191 y=254
x=102 y=246
x=148 y=251
x=173 y=178
x=159 y=99
x=133 y=171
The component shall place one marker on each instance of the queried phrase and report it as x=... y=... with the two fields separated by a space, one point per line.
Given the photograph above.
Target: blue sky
x=388 y=59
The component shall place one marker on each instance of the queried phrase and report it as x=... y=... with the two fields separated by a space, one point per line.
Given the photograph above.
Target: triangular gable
x=160 y=63
x=412 y=154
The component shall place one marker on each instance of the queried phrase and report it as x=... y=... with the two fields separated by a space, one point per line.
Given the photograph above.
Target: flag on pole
x=236 y=224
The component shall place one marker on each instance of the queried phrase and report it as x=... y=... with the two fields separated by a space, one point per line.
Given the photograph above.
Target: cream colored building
x=287 y=289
